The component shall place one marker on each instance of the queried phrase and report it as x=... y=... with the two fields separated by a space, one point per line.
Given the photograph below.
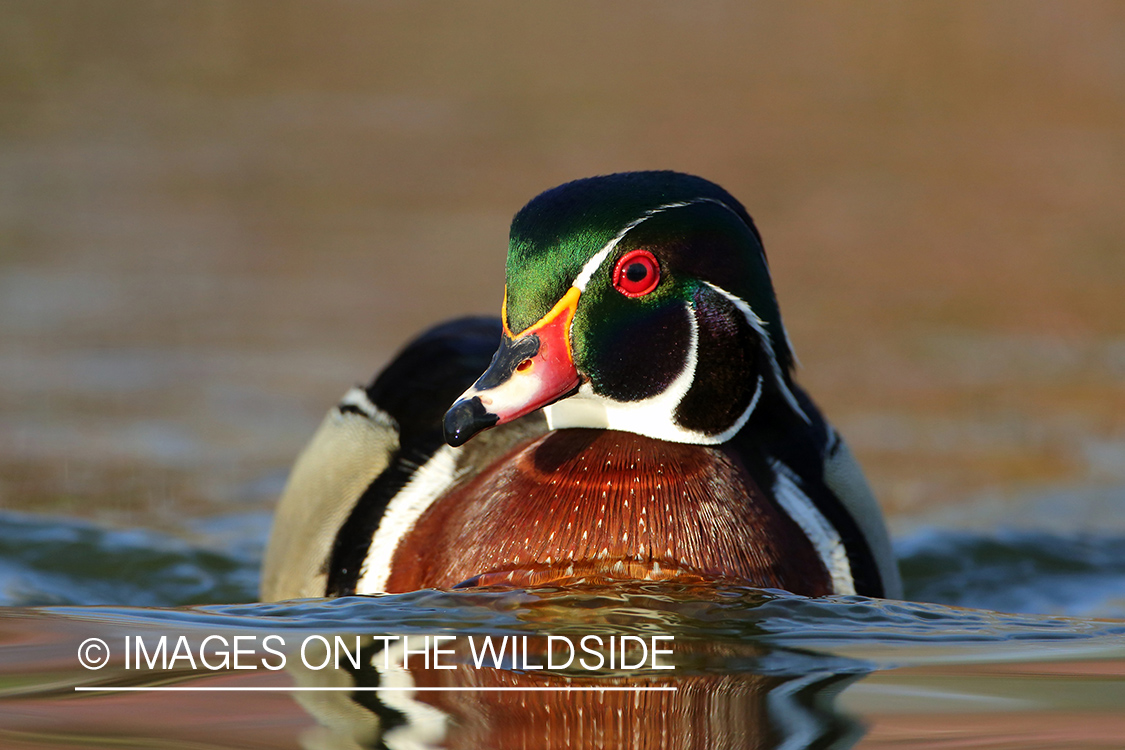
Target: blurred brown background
x=216 y=216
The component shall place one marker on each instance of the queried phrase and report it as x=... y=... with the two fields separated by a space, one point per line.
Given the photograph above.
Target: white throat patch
x=652 y=417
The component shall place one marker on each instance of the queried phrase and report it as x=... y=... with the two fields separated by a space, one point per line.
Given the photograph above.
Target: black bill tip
x=466 y=418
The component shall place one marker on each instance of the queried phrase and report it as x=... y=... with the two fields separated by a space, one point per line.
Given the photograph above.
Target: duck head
x=639 y=302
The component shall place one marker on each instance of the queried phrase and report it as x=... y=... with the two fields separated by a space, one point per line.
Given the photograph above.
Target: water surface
x=752 y=668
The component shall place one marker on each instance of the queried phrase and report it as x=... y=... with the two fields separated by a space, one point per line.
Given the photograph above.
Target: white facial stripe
x=759 y=326
x=595 y=262
x=741 y=421
x=824 y=537
x=428 y=483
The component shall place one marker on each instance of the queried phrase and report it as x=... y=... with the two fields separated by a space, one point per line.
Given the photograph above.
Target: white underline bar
x=198 y=689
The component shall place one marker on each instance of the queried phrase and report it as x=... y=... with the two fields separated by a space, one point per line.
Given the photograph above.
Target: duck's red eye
x=636 y=274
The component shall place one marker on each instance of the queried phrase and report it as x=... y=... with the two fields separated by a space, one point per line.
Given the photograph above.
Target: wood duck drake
x=638 y=421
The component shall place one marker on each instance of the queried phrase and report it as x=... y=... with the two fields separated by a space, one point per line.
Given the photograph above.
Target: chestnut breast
x=596 y=505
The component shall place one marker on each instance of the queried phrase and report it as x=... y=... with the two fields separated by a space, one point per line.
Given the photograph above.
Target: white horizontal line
x=197 y=689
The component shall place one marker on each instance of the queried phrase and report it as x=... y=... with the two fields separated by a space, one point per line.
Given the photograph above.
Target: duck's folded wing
x=364 y=452
x=353 y=445
x=819 y=484
x=845 y=479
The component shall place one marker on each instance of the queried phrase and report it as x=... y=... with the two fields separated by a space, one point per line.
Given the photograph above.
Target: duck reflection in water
x=738 y=693
x=632 y=416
